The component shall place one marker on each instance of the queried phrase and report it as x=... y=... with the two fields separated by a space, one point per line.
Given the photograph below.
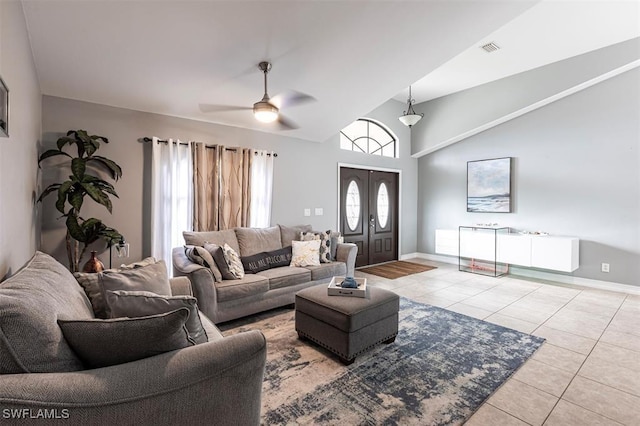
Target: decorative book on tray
x=336 y=287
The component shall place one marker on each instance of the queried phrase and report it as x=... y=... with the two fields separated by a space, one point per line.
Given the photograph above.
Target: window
x=370 y=137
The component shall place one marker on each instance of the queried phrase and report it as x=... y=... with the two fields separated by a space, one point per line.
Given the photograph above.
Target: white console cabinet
x=551 y=252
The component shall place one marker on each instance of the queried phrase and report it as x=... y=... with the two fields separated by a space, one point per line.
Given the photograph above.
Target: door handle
x=372 y=221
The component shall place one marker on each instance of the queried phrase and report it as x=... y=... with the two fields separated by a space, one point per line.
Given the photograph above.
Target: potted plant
x=82 y=183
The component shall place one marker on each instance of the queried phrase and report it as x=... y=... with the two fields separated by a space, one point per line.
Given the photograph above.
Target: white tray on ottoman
x=334 y=288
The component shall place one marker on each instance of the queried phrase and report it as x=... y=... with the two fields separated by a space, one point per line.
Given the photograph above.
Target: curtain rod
x=148 y=139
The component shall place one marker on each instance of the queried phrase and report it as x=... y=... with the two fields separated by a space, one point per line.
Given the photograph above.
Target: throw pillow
x=135 y=304
x=305 y=253
x=101 y=343
x=266 y=260
x=153 y=278
x=325 y=243
x=218 y=257
x=90 y=282
x=201 y=256
x=233 y=261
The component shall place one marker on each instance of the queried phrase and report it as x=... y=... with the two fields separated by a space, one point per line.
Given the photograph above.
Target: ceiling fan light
x=265 y=112
x=409 y=119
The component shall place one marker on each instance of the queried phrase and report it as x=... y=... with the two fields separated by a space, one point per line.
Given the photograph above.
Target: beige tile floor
x=586 y=373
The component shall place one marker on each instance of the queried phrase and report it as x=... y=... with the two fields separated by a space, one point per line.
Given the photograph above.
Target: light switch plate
x=307 y=212
x=319 y=211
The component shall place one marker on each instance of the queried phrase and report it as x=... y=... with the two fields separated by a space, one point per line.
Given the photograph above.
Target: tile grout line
x=582 y=365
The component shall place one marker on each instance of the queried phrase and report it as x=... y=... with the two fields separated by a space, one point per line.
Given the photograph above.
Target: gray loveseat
x=228 y=299
x=216 y=382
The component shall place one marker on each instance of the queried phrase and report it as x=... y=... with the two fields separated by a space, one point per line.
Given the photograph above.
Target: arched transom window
x=369 y=136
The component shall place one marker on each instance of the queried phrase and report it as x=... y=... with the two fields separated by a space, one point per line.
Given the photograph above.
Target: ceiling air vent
x=490 y=47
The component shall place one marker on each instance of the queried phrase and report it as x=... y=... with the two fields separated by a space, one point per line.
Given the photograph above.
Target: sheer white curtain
x=171 y=197
x=261 y=188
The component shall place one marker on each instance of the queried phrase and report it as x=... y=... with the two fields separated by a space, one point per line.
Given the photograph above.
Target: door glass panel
x=382 y=205
x=353 y=205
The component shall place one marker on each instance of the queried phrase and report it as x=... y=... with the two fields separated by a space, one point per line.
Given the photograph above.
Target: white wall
x=18 y=153
x=576 y=172
x=305 y=172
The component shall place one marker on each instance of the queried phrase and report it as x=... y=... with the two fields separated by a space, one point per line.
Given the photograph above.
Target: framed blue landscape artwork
x=489 y=186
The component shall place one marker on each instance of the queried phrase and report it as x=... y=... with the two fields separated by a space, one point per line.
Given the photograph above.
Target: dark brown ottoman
x=347 y=326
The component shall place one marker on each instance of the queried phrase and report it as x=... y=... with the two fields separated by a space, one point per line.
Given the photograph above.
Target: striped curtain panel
x=222 y=189
x=206 y=184
x=235 y=188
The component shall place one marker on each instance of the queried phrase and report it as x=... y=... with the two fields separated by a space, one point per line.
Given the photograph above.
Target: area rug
x=397 y=269
x=441 y=368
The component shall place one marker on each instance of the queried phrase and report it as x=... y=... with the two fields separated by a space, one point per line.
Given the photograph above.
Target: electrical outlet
x=605 y=267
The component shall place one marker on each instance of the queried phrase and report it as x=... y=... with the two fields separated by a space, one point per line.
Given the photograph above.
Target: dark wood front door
x=369 y=213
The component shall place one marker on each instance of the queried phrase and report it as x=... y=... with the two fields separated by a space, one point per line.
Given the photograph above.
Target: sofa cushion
x=135 y=304
x=90 y=281
x=292 y=233
x=267 y=260
x=227 y=236
x=327 y=270
x=286 y=276
x=153 y=278
x=31 y=301
x=237 y=289
x=101 y=343
x=257 y=240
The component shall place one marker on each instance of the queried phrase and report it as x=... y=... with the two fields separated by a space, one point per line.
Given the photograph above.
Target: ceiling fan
x=266 y=109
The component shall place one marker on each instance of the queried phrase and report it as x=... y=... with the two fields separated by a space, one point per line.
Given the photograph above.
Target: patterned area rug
x=397 y=269
x=441 y=368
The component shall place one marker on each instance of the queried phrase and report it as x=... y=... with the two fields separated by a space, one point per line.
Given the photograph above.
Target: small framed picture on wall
x=4 y=109
x=489 y=186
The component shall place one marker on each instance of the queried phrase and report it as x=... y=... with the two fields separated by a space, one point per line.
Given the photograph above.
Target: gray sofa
x=216 y=382
x=226 y=299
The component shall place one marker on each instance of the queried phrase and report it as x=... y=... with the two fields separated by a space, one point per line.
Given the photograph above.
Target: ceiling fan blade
x=286 y=124
x=221 y=108
x=291 y=98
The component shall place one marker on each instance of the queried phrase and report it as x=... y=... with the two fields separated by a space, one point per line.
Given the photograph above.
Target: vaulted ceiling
x=171 y=56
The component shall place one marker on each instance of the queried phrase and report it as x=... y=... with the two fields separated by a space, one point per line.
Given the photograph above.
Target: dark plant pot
x=93 y=265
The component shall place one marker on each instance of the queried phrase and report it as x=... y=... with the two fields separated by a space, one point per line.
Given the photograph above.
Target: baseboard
x=542 y=275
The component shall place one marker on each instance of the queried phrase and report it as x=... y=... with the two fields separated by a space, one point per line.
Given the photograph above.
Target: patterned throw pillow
x=325 y=243
x=233 y=261
x=305 y=253
x=266 y=260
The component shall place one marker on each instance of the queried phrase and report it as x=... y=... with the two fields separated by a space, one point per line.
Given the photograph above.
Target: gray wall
x=450 y=118
x=305 y=172
x=19 y=152
x=576 y=172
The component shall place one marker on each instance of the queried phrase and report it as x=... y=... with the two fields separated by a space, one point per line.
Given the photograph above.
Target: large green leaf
x=75 y=230
x=78 y=167
x=62 y=195
x=97 y=195
x=112 y=166
x=48 y=190
x=65 y=140
x=100 y=138
x=51 y=153
x=76 y=198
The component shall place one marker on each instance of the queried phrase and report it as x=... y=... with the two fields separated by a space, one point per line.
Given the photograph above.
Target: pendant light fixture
x=410 y=117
